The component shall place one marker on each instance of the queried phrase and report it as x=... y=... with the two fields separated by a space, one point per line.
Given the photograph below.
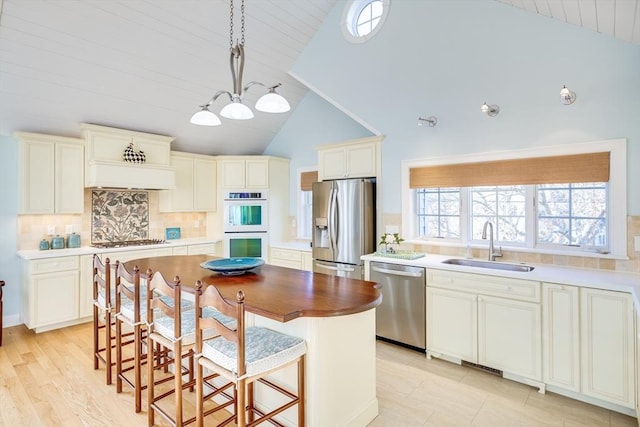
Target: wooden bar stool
x=1 y=285
x=103 y=303
x=130 y=305
x=244 y=356
x=171 y=329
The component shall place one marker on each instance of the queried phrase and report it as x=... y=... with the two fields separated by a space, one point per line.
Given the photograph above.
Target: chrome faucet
x=492 y=253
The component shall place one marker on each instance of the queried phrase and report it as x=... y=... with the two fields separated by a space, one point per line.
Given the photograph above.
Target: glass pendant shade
x=236 y=110
x=205 y=117
x=272 y=103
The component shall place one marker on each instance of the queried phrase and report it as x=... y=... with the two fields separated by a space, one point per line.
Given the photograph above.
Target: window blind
x=306 y=179
x=574 y=168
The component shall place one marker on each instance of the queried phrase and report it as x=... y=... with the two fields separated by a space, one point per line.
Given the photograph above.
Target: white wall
x=9 y=262
x=445 y=58
x=313 y=122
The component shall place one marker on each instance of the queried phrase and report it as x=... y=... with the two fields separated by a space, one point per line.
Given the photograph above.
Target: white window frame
x=617 y=203
x=350 y=14
x=299 y=212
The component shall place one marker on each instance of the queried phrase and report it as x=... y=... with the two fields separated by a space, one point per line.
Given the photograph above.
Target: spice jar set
x=58 y=242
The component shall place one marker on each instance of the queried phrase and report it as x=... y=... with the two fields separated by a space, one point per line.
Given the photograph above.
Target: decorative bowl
x=232 y=266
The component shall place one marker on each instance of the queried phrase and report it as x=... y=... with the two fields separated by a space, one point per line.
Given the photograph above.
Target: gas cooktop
x=127 y=243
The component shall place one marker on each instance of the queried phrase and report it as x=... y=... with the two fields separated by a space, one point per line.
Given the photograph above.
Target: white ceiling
x=147 y=64
x=616 y=18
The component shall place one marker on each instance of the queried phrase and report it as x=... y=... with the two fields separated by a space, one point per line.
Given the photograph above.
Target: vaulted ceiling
x=148 y=64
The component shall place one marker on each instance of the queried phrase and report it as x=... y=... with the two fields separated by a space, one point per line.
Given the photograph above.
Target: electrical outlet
x=636 y=243
x=51 y=230
x=196 y=224
x=68 y=229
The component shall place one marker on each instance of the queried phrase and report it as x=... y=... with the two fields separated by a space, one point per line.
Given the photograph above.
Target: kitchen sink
x=488 y=264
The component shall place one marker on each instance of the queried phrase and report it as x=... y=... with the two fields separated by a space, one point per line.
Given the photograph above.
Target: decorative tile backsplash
x=118 y=215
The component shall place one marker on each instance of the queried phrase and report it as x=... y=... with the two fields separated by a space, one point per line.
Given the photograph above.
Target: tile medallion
x=119 y=215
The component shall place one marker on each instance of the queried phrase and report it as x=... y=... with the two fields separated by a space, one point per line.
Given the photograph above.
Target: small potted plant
x=388 y=240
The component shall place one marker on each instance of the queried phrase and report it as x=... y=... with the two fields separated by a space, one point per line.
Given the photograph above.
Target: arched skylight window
x=362 y=19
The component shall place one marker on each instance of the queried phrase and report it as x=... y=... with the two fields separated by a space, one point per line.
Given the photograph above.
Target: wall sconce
x=490 y=110
x=566 y=96
x=429 y=121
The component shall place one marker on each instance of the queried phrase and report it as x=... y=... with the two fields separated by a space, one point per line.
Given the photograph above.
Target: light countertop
x=88 y=250
x=563 y=275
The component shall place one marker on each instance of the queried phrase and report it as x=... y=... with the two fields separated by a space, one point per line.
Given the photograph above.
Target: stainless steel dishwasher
x=400 y=317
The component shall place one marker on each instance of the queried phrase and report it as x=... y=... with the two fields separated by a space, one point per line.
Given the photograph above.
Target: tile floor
x=414 y=391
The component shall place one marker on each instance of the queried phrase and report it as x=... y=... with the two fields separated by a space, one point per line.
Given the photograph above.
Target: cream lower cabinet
x=561 y=336
x=509 y=336
x=307 y=261
x=452 y=324
x=607 y=351
x=488 y=320
x=50 y=292
x=291 y=258
x=202 y=249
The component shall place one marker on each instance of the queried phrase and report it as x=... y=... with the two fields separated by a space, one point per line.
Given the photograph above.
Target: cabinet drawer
x=525 y=290
x=286 y=254
x=50 y=265
x=180 y=250
x=202 y=249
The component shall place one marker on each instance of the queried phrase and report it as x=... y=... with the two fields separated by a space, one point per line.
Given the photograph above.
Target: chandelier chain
x=231 y=27
x=242 y=22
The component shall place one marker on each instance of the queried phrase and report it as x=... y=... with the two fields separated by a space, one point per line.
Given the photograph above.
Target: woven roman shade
x=306 y=179
x=574 y=168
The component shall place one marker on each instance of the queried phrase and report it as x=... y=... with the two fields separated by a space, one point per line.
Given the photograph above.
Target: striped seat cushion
x=127 y=305
x=164 y=325
x=101 y=300
x=265 y=349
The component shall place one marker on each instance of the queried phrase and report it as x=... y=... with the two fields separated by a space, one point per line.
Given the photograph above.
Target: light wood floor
x=48 y=380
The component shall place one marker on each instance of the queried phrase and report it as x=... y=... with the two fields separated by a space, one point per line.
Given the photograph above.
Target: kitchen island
x=335 y=315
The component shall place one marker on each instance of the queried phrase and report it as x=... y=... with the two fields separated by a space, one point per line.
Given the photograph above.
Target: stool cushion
x=265 y=349
x=127 y=306
x=101 y=300
x=164 y=325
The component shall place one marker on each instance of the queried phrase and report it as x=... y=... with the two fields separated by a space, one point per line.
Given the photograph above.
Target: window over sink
x=578 y=218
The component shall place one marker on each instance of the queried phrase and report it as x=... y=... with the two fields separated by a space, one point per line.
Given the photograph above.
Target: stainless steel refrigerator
x=343 y=226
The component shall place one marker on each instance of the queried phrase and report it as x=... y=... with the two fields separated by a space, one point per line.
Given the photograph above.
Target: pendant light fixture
x=272 y=102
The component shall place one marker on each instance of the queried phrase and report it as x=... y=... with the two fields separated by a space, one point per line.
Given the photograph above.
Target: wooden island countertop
x=334 y=315
x=278 y=293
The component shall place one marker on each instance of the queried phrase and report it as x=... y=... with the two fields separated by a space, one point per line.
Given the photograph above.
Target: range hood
x=105 y=166
x=115 y=174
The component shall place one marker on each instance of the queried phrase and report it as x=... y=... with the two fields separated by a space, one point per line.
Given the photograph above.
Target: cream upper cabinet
x=195 y=189
x=51 y=174
x=359 y=158
x=244 y=172
x=561 y=336
x=607 y=336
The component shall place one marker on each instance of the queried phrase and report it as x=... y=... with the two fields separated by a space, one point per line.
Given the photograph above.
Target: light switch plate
x=51 y=230
x=636 y=243
x=68 y=229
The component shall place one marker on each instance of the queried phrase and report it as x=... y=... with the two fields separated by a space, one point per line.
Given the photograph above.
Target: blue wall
x=445 y=58
x=313 y=122
x=9 y=262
